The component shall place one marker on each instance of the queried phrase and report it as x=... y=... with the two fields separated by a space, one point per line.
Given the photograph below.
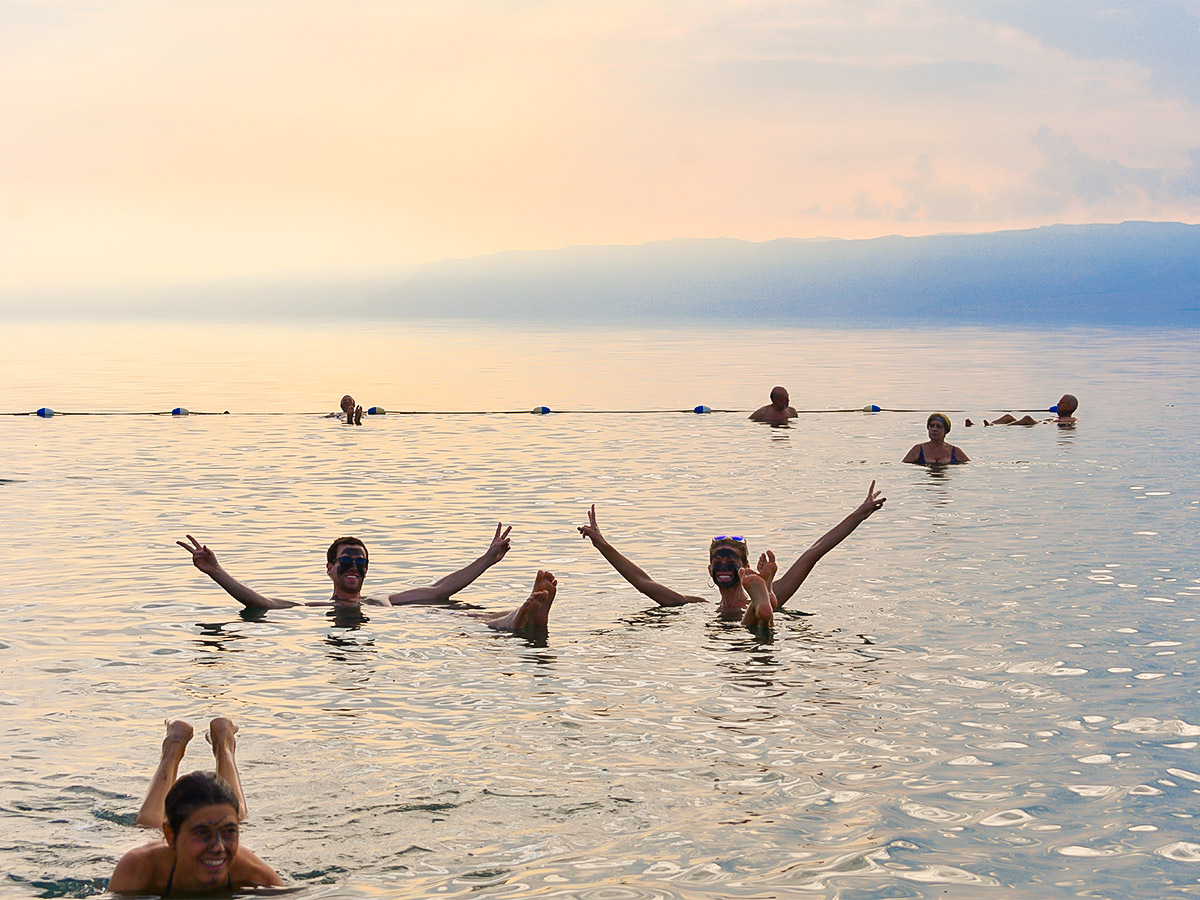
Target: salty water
x=990 y=689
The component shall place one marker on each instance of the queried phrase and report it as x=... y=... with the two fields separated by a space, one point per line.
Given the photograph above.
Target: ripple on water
x=647 y=752
x=1007 y=818
x=1180 y=851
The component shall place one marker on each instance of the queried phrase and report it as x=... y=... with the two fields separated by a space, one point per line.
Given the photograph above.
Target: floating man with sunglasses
x=746 y=595
x=347 y=568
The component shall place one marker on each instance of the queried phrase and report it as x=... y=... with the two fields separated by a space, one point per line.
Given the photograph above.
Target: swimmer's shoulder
x=142 y=870
x=250 y=871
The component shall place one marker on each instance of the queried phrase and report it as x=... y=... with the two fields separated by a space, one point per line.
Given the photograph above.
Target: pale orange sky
x=146 y=142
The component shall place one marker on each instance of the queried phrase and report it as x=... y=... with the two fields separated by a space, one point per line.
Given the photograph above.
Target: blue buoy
x=700 y=410
x=45 y=412
x=1054 y=408
x=376 y=411
x=871 y=407
x=180 y=411
x=540 y=410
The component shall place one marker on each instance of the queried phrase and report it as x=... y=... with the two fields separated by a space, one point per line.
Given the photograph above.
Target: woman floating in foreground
x=935 y=451
x=200 y=816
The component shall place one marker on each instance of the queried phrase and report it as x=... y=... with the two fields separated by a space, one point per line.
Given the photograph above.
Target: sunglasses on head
x=736 y=538
x=357 y=562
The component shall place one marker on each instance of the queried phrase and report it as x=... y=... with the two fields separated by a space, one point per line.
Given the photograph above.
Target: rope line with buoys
x=46 y=412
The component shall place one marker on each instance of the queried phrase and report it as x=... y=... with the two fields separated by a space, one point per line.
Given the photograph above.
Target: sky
x=163 y=142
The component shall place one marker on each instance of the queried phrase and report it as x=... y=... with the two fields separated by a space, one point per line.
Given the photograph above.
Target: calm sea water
x=992 y=690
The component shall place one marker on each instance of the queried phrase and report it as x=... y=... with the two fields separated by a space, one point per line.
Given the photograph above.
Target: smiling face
x=205 y=846
x=348 y=570
x=725 y=563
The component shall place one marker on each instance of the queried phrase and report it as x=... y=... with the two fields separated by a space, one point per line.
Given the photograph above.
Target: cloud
x=1068 y=181
x=150 y=142
x=1164 y=37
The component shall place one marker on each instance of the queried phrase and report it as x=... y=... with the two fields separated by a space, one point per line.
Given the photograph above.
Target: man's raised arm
x=632 y=573
x=447 y=587
x=790 y=581
x=206 y=561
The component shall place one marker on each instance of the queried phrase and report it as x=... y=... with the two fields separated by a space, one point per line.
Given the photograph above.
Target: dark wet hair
x=331 y=554
x=196 y=791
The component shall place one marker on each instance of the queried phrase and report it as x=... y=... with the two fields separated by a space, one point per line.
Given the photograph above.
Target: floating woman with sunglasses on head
x=935 y=451
x=747 y=595
x=200 y=815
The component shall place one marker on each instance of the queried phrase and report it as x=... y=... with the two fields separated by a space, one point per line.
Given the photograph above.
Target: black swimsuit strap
x=171 y=880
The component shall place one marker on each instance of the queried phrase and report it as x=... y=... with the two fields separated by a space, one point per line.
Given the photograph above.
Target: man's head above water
x=332 y=553
x=727 y=555
x=347 y=566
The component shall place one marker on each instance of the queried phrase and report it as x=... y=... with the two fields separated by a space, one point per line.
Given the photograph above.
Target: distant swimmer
x=347 y=568
x=935 y=451
x=200 y=816
x=749 y=595
x=350 y=413
x=1067 y=404
x=777 y=412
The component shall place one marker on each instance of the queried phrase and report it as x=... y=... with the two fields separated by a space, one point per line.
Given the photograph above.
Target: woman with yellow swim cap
x=935 y=451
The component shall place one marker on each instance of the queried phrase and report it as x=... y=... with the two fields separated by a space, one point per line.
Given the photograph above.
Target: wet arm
x=447 y=587
x=637 y=576
x=632 y=573
x=790 y=581
x=253 y=871
x=245 y=595
x=206 y=561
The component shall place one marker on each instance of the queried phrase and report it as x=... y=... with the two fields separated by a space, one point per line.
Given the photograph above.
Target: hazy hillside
x=1135 y=273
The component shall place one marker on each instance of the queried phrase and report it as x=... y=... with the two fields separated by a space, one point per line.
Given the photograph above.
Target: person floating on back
x=350 y=413
x=777 y=412
x=1065 y=418
x=747 y=595
x=200 y=816
x=347 y=565
x=935 y=451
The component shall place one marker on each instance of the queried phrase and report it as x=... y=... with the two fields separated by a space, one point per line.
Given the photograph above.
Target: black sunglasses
x=358 y=562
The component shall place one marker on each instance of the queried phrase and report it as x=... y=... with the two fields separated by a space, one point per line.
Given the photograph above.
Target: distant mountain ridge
x=1135 y=273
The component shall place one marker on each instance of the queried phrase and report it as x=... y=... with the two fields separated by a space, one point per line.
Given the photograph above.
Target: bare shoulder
x=143 y=870
x=250 y=871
